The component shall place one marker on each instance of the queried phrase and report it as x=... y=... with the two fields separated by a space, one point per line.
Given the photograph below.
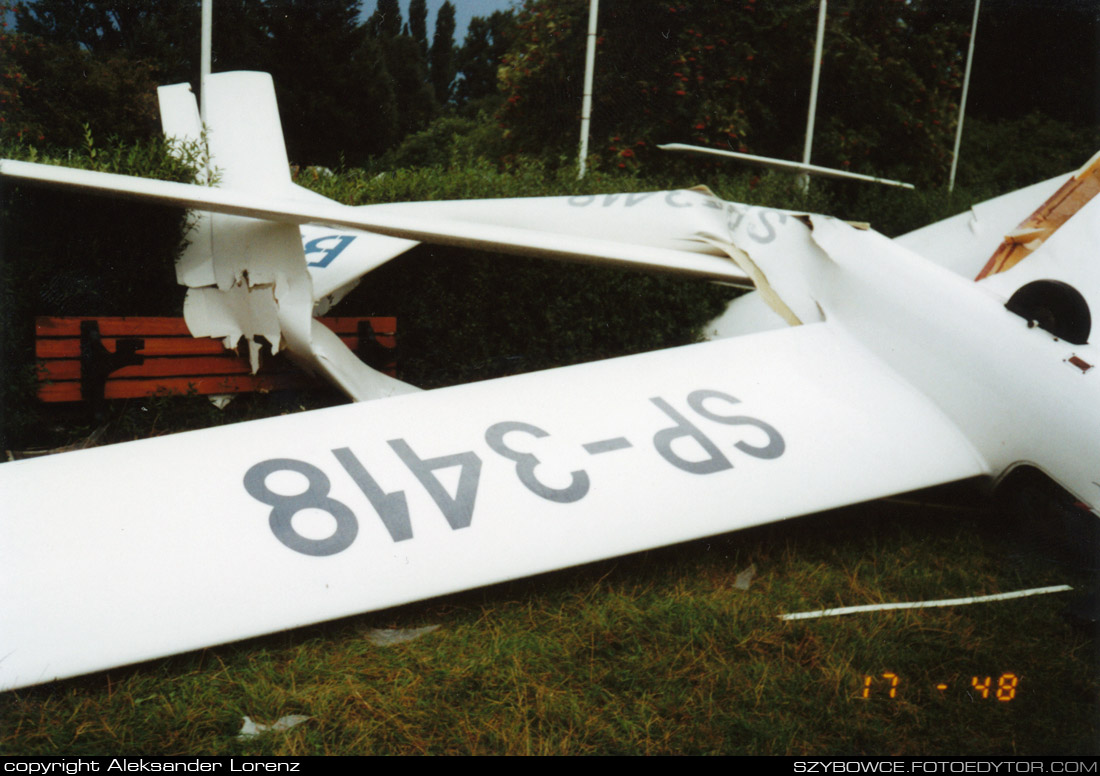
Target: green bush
x=75 y=254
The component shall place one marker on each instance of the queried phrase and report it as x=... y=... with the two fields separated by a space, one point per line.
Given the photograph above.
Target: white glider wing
x=691 y=256
x=119 y=554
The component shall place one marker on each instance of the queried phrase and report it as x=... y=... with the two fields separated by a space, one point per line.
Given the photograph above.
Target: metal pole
x=589 y=67
x=204 y=59
x=962 y=102
x=803 y=179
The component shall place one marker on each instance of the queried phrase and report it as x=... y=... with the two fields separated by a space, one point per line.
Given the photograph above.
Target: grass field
x=655 y=653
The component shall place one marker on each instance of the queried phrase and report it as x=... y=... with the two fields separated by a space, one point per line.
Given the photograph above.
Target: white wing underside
x=157 y=547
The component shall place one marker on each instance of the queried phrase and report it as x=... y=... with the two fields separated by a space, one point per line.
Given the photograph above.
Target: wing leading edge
x=175 y=543
x=420 y=223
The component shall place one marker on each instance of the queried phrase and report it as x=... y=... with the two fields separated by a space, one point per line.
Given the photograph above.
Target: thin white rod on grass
x=925 y=604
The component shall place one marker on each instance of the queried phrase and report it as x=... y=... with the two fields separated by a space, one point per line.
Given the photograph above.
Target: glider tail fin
x=244 y=135
x=249 y=278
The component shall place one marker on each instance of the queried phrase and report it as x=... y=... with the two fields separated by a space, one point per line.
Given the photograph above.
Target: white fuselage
x=1018 y=393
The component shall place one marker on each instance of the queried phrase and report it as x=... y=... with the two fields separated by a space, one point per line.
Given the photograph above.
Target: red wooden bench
x=118 y=358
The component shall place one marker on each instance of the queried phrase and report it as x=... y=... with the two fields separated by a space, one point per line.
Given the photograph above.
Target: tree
x=487 y=41
x=441 y=57
x=161 y=34
x=1014 y=36
x=241 y=36
x=418 y=25
x=416 y=104
x=336 y=97
x=385 y=22
x=54 y=93
x=736 y=75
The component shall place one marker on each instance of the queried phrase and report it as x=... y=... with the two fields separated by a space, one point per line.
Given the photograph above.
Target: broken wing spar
x=693 y=258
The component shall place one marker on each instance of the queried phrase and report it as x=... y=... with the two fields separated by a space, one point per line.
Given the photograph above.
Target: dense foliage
x=355 y=78
x=348 y=89
x=735 y=75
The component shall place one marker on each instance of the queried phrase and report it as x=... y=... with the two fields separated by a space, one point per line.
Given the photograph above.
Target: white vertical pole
x=807 y=149
x=962 y=102
x=589 y=67
x=204 y=59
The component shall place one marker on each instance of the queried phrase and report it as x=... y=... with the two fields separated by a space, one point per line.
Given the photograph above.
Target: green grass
x=655 y=653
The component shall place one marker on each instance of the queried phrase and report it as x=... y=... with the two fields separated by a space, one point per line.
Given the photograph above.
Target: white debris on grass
x=387 y=637
x=250 y=729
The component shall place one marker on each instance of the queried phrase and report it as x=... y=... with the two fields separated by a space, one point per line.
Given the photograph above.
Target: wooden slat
x=128 y=389
x=132 y=389
x=381 y=324
x=69 y=369
x=58 y=370
x=154 y=346
x=166 y=346
x=45 y=326
x=175 y=362
x=132 y=326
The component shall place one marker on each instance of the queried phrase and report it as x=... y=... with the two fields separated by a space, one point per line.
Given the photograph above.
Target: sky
x=464 y=11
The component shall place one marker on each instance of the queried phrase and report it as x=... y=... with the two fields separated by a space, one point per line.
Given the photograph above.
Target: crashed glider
x=863 y=367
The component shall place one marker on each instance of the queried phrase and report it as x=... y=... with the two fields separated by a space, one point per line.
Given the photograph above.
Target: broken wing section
x=964 y=242
x=1034 y=230
x=1067 y=254
x=309 y=517
x=996 y=235
x=250 y=278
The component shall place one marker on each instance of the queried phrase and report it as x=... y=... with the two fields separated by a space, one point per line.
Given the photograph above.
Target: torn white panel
x=763 y=287
x=240 y=311
x=221 y=400
x=263 y=288
x=775 y=248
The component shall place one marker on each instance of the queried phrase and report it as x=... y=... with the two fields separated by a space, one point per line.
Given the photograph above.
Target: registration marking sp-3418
x=458 y=508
